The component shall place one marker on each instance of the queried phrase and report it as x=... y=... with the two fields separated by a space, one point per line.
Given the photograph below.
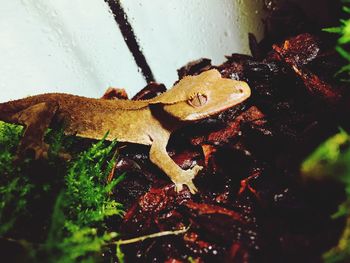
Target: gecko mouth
x=200 y=116
x=236 y=99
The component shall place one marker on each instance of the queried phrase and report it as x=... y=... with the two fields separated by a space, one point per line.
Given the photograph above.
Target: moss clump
x=331 y=160
x=72 y=200
x=343 y=30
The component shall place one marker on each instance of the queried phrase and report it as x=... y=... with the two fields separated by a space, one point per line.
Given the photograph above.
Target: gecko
x=149 y=122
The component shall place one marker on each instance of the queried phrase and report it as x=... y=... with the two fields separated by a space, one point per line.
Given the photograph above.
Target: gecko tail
x=7 y=110
x=10 y=108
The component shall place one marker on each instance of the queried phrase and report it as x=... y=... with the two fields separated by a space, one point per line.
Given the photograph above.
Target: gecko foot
x=35 y=151
x=186 y=178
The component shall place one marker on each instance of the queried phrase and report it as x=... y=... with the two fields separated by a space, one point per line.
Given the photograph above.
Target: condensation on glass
x=76 y=46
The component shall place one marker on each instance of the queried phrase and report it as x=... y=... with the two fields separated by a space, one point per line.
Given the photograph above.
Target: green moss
x=331 y=159
x=76 y=226
x=13 y=188
x=119 y=254
x=81 y=209
x=343 y=30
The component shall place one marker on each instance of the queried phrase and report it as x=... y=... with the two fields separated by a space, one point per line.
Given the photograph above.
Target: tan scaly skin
x=148 y=122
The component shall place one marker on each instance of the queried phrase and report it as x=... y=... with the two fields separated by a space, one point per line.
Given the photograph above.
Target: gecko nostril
x=240 y=90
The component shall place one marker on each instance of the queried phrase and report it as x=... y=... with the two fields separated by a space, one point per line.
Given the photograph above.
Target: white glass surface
x=75 y=46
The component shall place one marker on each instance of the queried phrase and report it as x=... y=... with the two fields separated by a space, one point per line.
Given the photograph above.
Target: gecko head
x=198 y=97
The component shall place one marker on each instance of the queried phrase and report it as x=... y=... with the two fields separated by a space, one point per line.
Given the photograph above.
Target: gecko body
x=148 y=122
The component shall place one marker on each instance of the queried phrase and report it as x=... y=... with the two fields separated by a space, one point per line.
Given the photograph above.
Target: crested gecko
x=148 y=122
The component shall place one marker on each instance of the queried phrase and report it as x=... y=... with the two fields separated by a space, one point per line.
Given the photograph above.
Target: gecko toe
x=41 y=151
x=178 y=187
x=191 y=187
x=65 y=156
x=33 y=151
x=196 y=169
x=186 y=179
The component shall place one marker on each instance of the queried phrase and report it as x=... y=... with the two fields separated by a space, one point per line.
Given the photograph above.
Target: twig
x=155 y=235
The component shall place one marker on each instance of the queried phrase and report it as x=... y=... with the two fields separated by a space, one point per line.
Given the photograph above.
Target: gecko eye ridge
x=198 y=100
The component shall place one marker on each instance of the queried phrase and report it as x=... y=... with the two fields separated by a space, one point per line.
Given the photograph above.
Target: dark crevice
x=130 y=39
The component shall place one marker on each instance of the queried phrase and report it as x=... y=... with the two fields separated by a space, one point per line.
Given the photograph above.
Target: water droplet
x=270 y=4
x=54 y=14
x=227 y=33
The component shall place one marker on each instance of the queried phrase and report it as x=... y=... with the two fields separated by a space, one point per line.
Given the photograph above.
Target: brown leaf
x=115 y=94
x=232 y=129
x=152 y=90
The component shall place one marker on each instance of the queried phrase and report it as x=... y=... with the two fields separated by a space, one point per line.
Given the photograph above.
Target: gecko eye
x=197 y=100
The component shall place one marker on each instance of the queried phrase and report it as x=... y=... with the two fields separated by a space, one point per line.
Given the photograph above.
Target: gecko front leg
x=160 y=157
x=36 y=120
